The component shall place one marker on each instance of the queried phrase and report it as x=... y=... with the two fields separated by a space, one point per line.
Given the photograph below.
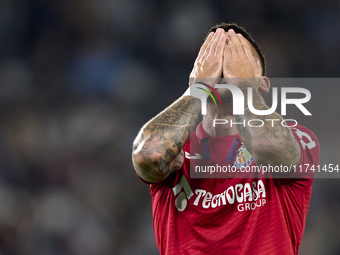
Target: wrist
x=201 y=92
x=208 y=81
x=198 y=90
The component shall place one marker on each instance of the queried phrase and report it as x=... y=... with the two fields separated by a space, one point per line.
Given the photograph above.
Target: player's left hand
x=239 y=62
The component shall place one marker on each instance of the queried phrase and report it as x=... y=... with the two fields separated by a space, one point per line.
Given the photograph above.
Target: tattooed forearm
x=157 y=148
x=170 y=154
x=162 y=164
x=271 y=143
x=178 y=144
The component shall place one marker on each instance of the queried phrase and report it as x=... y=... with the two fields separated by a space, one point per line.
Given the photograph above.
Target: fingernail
x=211 y=33
x=231 y=31
x=219 y=30
x=239 y=35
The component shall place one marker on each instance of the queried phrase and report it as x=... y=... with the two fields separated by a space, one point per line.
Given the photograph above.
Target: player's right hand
x=208 y=64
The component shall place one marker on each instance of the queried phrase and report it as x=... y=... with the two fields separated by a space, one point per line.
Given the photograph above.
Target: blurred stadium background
x=79 y=78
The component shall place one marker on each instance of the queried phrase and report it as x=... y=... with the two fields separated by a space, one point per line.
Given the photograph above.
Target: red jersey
x=234 y=216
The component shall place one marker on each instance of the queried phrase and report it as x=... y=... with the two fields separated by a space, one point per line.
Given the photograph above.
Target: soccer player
x=240 y=214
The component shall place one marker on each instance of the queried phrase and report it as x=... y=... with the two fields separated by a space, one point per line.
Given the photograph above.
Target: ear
x=265 y=85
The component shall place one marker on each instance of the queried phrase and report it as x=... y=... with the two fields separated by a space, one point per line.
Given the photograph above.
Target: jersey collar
x=201 y=134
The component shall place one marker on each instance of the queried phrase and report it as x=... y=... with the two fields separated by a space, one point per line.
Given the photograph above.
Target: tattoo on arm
x=164 y=136
x=272 y=143
x=170 y=154
x=178 y=144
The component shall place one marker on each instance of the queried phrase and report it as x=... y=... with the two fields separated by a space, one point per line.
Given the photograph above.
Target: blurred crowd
x=79 y=78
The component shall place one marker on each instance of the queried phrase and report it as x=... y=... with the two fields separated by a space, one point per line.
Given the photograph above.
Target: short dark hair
x=245 y=34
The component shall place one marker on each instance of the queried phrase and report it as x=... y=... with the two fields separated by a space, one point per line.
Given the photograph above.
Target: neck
x=224 y=113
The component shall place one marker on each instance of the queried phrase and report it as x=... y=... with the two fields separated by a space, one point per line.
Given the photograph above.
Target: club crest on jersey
x=243 y=158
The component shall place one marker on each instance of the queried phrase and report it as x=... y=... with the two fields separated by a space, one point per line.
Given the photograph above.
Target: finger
x=205 y=44
x=221 y=44
x=227 y=55
x=215 y=42
x=246 y=46
x=236 y=41
x=232 y=47
x=208 y=48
